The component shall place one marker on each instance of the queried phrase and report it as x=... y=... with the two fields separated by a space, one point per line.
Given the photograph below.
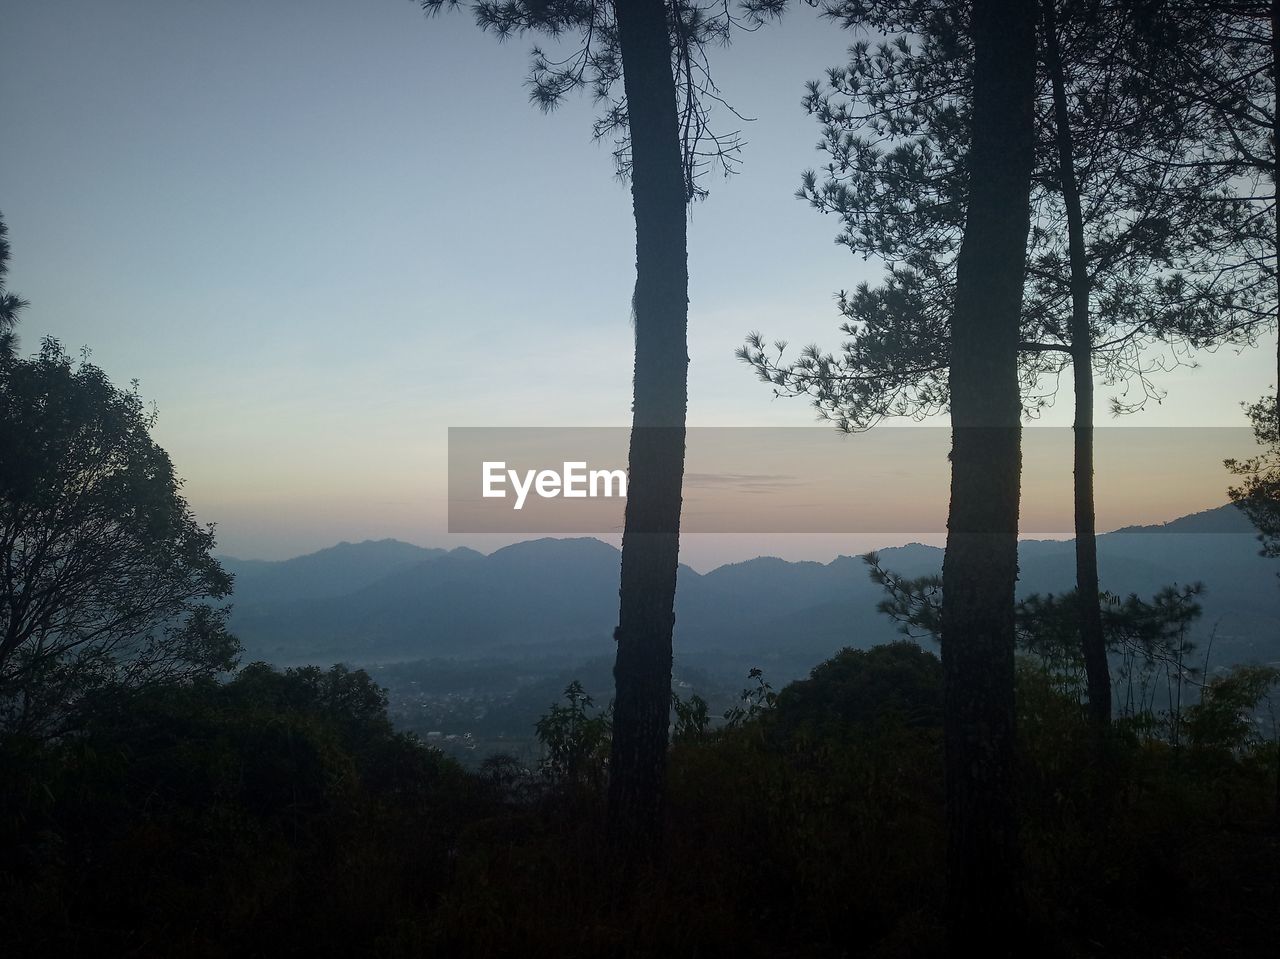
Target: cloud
x=747 y=482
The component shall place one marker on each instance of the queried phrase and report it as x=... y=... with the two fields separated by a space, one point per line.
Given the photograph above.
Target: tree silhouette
x=104 y=573
x=657 y=48
x=1258 y=495
x=11 y=305
x=1133 y=241
x=1222 y=61
x=1218 y=61
x=980 y=566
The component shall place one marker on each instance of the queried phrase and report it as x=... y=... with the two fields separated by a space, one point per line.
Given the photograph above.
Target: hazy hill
x=330 y=572
x=388 y=600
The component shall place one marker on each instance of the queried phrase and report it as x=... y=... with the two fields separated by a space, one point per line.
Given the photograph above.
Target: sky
x=319 y=233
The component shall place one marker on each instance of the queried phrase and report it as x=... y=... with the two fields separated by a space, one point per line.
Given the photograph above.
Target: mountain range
x=385 y=601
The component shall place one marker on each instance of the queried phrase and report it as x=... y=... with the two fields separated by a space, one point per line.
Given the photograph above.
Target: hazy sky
x=320 y=232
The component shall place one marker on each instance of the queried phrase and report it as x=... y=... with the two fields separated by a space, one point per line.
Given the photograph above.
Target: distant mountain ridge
x=330 y=571
x=1222 y=519
x=386 y=600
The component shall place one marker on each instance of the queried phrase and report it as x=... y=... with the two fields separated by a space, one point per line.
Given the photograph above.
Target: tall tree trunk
x=651 y=536
x=1275 y=175
x=1092 y=641
x=980 y=568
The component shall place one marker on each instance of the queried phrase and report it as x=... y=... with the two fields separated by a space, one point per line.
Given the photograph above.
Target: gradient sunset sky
x=320 y=232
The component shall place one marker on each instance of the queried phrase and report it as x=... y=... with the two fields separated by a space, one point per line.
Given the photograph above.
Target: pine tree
x=980 y=567
x=1132 y=244
x=11 y=305
x=665 y=143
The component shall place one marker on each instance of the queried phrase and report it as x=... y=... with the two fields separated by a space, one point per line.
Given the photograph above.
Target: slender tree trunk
x=1275 y=174
x=650 y=540
x=980 y=568
x=1092 y=641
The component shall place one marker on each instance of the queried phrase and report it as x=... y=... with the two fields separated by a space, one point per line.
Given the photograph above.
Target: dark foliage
x=11 y=305
x=276 y=814
x=106 y=578
x=1258 y=495
x=895 y=684
x=279 y=814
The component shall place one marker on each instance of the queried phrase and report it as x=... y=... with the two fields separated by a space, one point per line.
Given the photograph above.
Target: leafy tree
x=275 y=812
x=753 y=701
x=657 y=48
x=506 y=774
x=896 y=682
x=575 y=742
x=1227 y=715
x=980 y=566
x=692 y=718
x=344 y=696
x=1148 y=638
x=106 y=579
